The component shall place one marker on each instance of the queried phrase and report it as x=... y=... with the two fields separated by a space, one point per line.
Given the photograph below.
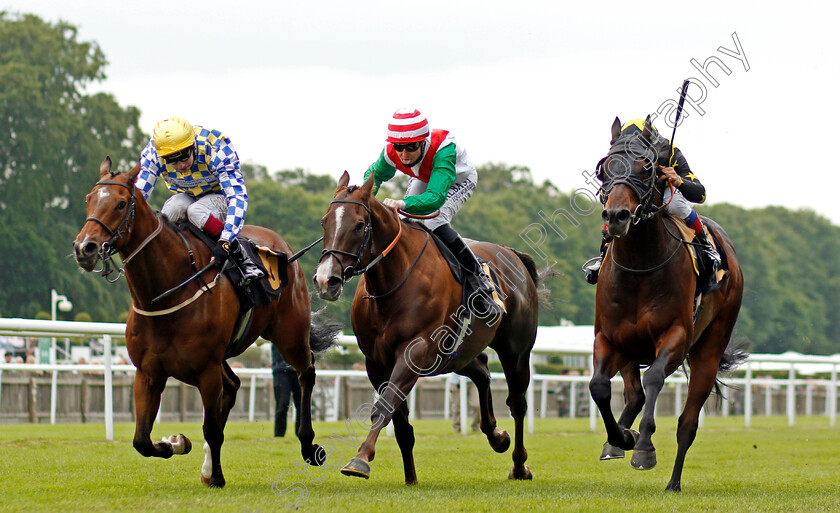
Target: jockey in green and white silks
x=201 y=168
x=442 y=177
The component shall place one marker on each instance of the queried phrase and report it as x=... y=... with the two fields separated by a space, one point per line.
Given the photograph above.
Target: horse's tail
x=323 y=333
x=537 y=275
x=733 y=356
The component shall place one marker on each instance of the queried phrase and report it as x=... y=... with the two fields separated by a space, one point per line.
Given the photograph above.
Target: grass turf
x=768 y=468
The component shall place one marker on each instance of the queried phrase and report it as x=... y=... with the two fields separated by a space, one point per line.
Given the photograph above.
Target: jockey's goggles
x=180 y=156
x=412 y=146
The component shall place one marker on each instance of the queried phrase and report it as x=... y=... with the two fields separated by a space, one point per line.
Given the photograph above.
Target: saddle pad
x=688 y=235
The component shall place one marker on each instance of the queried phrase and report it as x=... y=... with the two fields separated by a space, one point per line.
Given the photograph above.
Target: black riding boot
x=475 y=278
x=592 y=266
x=712 y=259
x=247 y=267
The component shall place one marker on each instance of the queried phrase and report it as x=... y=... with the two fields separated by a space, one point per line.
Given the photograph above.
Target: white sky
x=533 y=83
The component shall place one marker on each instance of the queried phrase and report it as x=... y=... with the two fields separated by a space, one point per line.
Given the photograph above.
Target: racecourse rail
x=561 y=340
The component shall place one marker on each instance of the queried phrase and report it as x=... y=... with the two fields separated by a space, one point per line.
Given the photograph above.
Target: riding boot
x=592 y=266
x=247 y=267
x=476 y=280
x=712 y=260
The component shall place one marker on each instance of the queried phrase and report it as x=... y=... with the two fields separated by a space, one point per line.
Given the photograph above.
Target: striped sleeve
x=225 y=163
x=150 y=169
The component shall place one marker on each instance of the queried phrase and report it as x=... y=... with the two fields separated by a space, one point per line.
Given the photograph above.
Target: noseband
x=352 y=270
x=629 y=148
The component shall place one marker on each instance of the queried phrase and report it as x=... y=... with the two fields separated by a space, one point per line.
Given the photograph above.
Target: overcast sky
x=531 y=83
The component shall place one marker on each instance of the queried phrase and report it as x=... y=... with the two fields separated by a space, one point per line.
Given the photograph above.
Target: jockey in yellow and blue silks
x=201 y=168
x=687 y=190
x=442 y=178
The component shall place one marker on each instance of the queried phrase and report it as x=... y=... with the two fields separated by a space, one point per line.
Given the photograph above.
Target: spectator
x=286 y=386
x=474 y=411
x=8 y=357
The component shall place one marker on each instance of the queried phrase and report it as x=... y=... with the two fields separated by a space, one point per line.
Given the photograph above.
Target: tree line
x=55 y=135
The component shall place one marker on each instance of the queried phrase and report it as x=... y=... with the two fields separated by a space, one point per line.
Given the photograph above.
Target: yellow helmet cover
x=173 y=135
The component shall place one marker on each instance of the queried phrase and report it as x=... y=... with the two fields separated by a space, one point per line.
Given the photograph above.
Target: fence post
x=109 y=391
x=252 y=398
x=791 y=397
x=543 y=399
x=748 y=396
x=336 y=399
x=33 y=401
x=832 y=415
x=572 y=399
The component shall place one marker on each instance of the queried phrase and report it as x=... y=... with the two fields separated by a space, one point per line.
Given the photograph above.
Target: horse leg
x=404 y=433
x=518 y=375
x=147 y=392
x=231 y=383
x=312 y=453
x=634 y=399
x=479 y=373
x=606 y=364
x=668 y=359
x=211 y=388
x=704 y=362
x=392 y=394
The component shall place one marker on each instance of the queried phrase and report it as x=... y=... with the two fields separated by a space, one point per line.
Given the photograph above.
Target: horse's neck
x=389 y=271
x=161 y=264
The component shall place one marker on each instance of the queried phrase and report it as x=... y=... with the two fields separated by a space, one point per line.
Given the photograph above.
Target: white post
x=724 y=407
x=337 y=398
x=465 y=407
x=252 y=398
x=791 y=395
x=530 y=396
x=768 y=399
x=748 y=396
x=809 y=399
x=832 y=396
x=543 y=399
x=63 y=304
x=109 y=390
x=677 y=398
x=572 y=399
x=447 y=405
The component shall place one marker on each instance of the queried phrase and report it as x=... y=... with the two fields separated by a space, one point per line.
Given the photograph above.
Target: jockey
x=442 y=177
x=201 y=168
x=687 y=190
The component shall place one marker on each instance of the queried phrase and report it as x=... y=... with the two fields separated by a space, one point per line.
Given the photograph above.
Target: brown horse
x=186 y=336
x=405 y=317
x=645 y=308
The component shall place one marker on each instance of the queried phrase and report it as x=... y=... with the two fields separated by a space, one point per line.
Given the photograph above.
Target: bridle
x=629 y=148
x=107 y=249
x=356 y=268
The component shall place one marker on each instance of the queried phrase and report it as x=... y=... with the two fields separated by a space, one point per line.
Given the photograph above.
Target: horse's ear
x=648 y=130
x=105 y=167
x=132 y=175
x=368 y=185
x=344 y=180
x=615 y=130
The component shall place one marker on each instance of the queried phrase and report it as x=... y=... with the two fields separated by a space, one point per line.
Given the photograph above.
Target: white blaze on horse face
x=324 y=270
x=103 y=194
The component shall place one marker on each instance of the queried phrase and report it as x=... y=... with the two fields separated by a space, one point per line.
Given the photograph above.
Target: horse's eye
x=360 y=226
x=121 y=205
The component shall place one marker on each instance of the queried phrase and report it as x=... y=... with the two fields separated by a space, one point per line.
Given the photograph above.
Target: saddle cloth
x=688 y=235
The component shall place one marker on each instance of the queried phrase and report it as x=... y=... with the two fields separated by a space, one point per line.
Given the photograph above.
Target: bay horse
x=406 y=319
x=645 y=306
x=186 y=336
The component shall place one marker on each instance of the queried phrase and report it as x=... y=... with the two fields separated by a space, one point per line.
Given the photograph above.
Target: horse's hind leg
x=211 y=388
x=312 y=453
x=479 y=373
x=147 y=392
x=518 y=375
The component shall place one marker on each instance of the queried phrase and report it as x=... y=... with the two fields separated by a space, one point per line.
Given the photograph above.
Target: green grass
x=768 y=468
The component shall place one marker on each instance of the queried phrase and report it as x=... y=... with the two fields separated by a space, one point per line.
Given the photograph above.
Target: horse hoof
x=319 y=456
x=357 y=468
x=673 y=487
x=213 y=483
x=611 y=452
x=501 y=443
x=524 y=474
x=643 y=460
x=180 y=444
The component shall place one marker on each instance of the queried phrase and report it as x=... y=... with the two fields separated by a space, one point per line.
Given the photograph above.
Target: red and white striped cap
x=407 y=125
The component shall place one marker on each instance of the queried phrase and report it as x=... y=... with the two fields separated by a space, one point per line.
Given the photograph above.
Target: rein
x=643 y=188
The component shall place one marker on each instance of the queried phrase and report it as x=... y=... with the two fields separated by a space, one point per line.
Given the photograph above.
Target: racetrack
x=770 y=467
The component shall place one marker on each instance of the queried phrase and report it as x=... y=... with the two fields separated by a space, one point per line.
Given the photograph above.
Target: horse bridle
x=357 y=269
x=107 y=249
x=643 y=188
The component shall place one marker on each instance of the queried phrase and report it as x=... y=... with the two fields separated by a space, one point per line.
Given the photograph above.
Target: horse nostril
x=333 y=282
x=605 y=216
x=623 y=216
x=90 y=248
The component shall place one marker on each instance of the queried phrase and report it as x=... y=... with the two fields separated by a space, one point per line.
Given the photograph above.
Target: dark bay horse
x=644 y=312
x=404 y=317
x=186 y=335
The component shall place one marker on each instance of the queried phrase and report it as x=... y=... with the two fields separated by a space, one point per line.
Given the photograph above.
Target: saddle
x=259 y=292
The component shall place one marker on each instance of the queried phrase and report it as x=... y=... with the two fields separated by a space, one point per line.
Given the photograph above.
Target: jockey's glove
x=221 y=252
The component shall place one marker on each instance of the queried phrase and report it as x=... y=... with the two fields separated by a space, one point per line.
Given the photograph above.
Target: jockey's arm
x=225 y=163
x=691 y=188
x=441 y=179
x=382 y=171
x=149 y=170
